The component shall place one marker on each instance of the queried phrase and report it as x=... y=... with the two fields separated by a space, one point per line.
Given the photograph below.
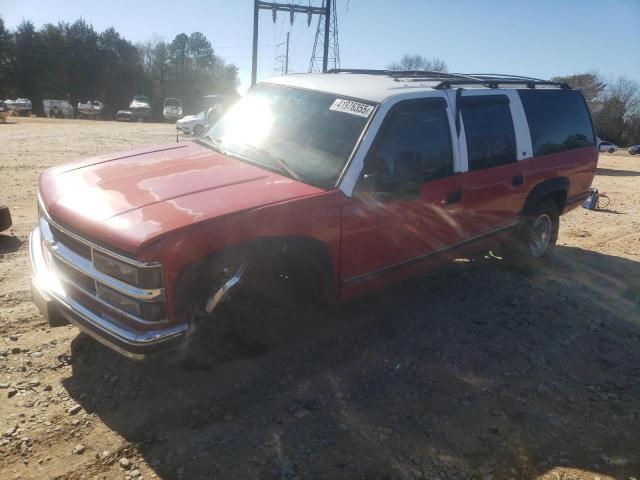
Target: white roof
x=374 y=88
x=378 y=87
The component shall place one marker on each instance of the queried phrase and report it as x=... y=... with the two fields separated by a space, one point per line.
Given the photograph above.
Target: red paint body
x=177 y=203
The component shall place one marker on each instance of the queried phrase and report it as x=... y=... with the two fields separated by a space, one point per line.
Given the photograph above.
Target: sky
x=540 y=38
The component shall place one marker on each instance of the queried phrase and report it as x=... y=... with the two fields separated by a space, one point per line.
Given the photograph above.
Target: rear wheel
x=611 y=150
x=198 y=130
x=534 y=240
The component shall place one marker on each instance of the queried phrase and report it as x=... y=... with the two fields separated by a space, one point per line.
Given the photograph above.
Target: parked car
x=607 y=147
x=140 y=108
x=313 y=188
x=57 y=108
x=5 y=218
x=123 y=116
x=172 y=110
x=192 y=124
x=634 y=149
x=91 y=108
x=19 y=105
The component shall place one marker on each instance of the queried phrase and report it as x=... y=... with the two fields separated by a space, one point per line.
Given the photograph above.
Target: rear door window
x=489 y=131
x=558 y=120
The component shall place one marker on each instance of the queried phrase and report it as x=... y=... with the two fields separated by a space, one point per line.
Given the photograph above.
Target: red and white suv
x=314 y=187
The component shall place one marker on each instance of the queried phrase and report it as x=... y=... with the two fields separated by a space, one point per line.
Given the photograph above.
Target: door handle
x=453 y=197
x=517 y=180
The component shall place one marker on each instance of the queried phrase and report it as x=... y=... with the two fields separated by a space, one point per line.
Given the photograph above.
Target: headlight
x=151 y=311
x=146 y=277
x=122 y=302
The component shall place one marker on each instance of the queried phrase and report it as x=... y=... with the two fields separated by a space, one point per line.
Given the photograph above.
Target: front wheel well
x=304 y=262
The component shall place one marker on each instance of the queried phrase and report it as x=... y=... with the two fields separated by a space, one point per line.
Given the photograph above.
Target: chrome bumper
x=50 y=297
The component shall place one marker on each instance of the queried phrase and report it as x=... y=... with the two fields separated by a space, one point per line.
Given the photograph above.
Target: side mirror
x=405 y=179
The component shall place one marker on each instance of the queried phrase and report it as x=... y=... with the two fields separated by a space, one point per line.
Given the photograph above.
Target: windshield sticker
x=349 y=106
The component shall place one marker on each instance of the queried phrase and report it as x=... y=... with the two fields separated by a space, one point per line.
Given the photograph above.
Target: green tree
x=6 y=64
x=199 y=48
x=26 y=54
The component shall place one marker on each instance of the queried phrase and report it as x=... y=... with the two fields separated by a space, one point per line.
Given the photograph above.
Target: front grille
x=71 y=243
x=73 y=262
x=73 y=276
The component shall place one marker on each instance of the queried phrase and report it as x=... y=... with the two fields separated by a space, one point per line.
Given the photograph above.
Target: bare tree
x=627 y=92
x=590 y=84
x=418 y=62
x=618 y=118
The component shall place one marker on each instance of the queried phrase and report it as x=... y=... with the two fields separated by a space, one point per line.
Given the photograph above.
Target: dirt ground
x=475 y=371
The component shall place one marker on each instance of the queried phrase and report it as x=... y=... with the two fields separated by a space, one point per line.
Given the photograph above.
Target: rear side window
x=420 y=127
x=488 y=126
x=558 y=120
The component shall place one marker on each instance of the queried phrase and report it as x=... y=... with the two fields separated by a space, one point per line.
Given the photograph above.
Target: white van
x=57 y=108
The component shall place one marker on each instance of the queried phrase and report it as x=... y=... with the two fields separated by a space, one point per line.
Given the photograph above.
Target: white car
x=90 y=108
x=19 y=104
x=140 y=108
x=607 y=147
x=192 y=124
x=172 y=110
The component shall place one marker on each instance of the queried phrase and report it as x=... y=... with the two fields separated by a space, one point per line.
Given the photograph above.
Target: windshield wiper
x=214 y=143
x=281 y=163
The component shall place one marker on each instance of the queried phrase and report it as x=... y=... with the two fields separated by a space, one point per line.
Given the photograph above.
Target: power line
x=284 y=59
x=275 y=7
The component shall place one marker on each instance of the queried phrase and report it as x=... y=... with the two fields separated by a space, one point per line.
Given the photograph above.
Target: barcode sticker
x=349 y=106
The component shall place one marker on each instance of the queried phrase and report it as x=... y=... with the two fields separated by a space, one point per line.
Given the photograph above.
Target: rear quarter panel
x=578 y=166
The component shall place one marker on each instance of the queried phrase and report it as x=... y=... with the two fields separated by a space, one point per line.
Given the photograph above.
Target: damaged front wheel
x=244 y=323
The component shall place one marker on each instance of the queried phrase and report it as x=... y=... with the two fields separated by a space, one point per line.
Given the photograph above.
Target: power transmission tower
x=276 y=7
x=326 y=46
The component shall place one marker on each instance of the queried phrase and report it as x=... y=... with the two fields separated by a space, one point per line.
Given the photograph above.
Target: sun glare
x=249 y=122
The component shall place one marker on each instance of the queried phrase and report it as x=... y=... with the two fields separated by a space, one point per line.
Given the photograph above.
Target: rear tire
x=198 y=130
x=533 y=242
x=611 y=150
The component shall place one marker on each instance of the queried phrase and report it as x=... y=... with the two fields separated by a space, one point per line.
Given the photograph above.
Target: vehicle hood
x=130 y=199
x=139 y=104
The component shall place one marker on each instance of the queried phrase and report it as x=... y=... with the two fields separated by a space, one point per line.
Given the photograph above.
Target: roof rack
x=414 y=74
x=496 y=82
x=503 y=76
x=448 y=80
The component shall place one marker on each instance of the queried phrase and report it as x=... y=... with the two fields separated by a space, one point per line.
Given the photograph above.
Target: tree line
x=71 y=61
x=614 y=104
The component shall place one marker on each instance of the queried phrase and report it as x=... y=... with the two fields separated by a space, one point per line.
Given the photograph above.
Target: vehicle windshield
x=172 y=102
x=303 y=134
x=141 y=98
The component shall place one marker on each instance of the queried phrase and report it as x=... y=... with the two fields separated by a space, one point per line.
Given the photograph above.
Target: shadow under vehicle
x=472 y=368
